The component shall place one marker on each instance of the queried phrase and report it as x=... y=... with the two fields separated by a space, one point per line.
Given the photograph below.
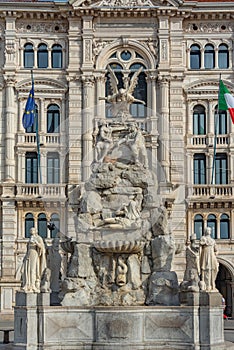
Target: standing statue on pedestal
x=191 y=281
x=34 y=263
x=122 y=98
x=54 y=260
x=208 y=261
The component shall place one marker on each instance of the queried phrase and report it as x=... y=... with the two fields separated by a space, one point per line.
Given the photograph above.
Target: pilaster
x=10 y=128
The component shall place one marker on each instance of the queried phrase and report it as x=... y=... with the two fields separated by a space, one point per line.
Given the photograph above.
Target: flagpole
x=215 y=136
x=37 y=140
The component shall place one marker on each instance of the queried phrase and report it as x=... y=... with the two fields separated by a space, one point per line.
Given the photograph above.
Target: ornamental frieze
x=26 y=27
x=206 y=27
x=125 y=3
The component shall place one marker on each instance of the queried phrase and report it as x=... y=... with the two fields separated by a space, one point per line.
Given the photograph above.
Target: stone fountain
x=120 y=290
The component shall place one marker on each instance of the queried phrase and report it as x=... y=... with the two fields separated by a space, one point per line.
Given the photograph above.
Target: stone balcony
x=45 y=139
x=209 y=191
x=49 y=191
x=204 y=140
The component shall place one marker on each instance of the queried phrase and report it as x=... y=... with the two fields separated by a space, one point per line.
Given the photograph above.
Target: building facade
x=183 y=48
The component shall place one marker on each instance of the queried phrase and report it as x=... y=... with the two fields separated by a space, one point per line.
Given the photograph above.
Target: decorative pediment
x=42 y=85
x=204 y=88
x=125 y=3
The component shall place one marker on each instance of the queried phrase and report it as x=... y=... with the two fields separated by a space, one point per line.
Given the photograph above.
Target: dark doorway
x=223 y=284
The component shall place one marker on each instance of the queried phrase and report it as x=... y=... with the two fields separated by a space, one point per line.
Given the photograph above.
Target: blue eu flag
x=29 y=112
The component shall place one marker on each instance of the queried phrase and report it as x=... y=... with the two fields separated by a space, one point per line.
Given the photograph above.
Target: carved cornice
x=211 y=15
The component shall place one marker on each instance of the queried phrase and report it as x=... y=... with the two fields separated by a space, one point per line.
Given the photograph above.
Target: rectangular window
x=53 y=168
x=31 y=168
x=221 y=173
x=221 y=123
x=199 y=124
x=199 y=168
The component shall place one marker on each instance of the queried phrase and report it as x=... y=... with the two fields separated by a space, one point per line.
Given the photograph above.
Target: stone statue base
x=163 y=289
x=195 y=326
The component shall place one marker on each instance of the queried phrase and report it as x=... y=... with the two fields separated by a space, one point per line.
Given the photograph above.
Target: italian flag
x=226 y=100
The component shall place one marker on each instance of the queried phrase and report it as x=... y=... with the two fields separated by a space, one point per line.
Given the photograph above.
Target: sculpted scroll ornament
x=125 y=3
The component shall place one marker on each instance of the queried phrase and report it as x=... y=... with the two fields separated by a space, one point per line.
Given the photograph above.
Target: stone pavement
x=7 y=321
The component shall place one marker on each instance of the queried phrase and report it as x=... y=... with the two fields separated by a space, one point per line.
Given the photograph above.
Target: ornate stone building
x=183 y=47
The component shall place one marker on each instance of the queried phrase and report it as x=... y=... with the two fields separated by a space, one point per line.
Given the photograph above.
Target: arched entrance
x=225 y=284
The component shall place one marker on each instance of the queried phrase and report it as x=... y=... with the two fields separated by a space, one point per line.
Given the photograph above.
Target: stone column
x=164 y=121
x=42 y=117
x=190 y=117
x=216 y=58
x=43 y=165
x=152 y=123
x=10 y=118
x=100 y=89
x=202 y=59
x=190 y=173
x=210 y=169
x=21 y=166
x=87 y=125
x=210 y=120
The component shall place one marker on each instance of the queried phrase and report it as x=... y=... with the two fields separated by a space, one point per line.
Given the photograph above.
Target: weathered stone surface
x=115 y=328
x=163 y=249
x=163 y=289
x=91 y=202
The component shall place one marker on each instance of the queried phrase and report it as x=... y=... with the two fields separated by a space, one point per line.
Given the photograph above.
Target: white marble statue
x=122 y=98
x=208 y=261
x=34 y=263
x=136 y=142
x=191 y=276
x=104 y=141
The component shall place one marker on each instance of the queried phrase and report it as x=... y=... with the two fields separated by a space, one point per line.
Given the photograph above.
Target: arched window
x=137 y=109
x=42 y=56
x=209 y=56
x=199 y=120
x=198 y=225
x=224 y=226
x=53 y=119
x=56 y=221
x=220 y=122
x=28 y=56
x=195 y=57
x=211 y=222
x=199 y=168
x=223 y=56
x=29 y=223
x=57 y=56
x=221 y=169
x=42 y=225
x=53 y=168
x=32 y=129
x=31 y=168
